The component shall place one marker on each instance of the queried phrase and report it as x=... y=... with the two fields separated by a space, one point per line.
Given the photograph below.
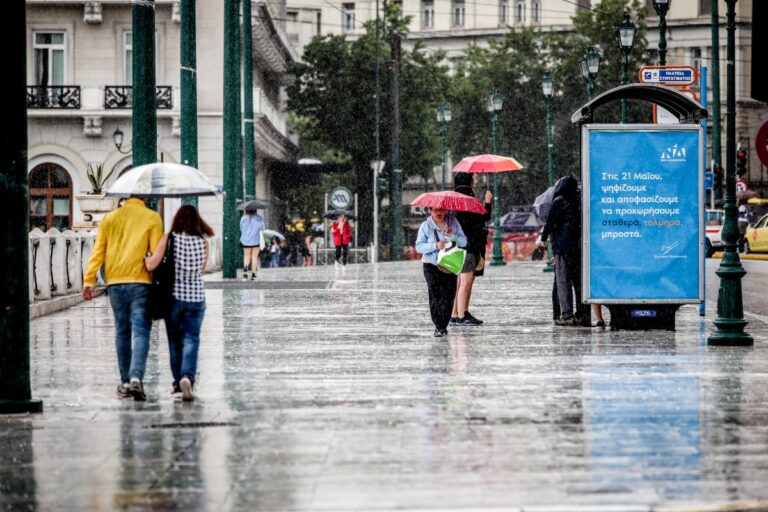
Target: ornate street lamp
x=661 y=7
x=548 y=88
x=444 y=115
x=625 y=37
x=117 y=138
x=493 y=104
x=590 y=65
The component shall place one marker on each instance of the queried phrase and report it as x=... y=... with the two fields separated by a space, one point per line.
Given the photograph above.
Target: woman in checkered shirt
x=190 y=255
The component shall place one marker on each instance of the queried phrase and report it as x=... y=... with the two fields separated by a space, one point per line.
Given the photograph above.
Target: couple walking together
x=130 y=244
x=449 y=295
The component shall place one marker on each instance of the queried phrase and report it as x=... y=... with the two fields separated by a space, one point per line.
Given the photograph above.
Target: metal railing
x=121 y=96
x=53 y=96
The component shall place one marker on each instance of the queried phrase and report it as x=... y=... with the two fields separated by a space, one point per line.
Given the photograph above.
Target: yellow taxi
x=757 y=235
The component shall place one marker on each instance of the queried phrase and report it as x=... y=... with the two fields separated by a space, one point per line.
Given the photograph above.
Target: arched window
x=50 y=197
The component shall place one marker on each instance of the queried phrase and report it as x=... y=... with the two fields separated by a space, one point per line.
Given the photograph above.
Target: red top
x=341 y=235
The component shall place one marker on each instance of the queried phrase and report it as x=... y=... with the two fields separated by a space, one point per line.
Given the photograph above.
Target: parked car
x=757 y=235
x=714 y=230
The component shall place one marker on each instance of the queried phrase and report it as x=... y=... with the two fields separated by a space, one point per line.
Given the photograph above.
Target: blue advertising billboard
x=643 y=213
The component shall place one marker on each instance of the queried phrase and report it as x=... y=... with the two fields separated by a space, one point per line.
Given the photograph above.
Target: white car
x=714 y=230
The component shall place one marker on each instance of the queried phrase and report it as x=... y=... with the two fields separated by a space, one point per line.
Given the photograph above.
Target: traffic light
x=741 y=162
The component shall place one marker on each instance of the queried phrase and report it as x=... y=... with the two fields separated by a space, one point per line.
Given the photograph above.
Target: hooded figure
x=564 y=225
x=473 y=224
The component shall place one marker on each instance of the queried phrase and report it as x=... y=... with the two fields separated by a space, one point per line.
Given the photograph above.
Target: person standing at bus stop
x=564 y=225
x=342 y=235
x=125 y=236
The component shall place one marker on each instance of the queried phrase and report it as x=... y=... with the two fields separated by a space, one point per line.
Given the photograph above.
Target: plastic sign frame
x=643 y=213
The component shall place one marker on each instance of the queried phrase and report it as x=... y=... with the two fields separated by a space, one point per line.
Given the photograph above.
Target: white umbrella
x=269 y=233
x=162 y=179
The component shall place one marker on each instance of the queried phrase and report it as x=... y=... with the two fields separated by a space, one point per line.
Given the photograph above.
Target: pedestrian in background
x=564 y=225
x=183 y=324
x=251 y=240
x=433 y=236
x=342 y=234
x=274 y=253
x=125 y=236
x=306 y=251
x=473 y=225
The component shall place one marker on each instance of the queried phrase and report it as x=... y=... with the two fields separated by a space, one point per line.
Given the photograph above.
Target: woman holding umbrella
x=342 y=234
x=473 y=225
x=251 y=240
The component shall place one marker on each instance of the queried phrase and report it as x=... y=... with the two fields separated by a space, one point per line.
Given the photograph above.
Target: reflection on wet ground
x=336 y=396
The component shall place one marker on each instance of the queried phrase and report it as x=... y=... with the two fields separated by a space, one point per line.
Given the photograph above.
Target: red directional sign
x=761 y=143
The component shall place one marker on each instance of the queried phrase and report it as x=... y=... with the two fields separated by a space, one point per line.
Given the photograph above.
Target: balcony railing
x=121 y=96
x=53 y=96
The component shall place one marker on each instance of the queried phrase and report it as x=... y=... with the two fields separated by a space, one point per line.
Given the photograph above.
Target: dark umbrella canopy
x=333 y=214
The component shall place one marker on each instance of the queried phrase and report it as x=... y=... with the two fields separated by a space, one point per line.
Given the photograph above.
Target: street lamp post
x=548 y=88
x=493 y=104
x=625 y=36
x=730 y=321
x=444 y=115
x=661 y=7
x=590 y=64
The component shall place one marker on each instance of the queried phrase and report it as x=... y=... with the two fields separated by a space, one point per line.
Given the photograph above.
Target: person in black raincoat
x=473 y=225
x=564 y=226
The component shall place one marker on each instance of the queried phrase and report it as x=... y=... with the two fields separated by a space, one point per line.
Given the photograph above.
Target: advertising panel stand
x=642 y=207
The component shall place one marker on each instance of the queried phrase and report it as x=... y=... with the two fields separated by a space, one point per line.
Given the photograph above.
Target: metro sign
x=668 y=75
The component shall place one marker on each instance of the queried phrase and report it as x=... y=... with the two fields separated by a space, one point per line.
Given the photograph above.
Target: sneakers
x=176 y=394
x=601 y=323
x=123 y=391
x=186 y=389
x=454 y=320
x=439 y=333
x=467 y=314
x=137 y=390
x=468 y=321
x=245 y=274
x=253 y=276
x=566 y=322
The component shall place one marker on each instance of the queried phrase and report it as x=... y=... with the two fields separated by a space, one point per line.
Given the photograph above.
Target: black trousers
x=341 y=253
x=442 y=291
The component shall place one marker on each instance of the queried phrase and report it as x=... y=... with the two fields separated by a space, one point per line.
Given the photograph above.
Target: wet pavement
x=325 y=390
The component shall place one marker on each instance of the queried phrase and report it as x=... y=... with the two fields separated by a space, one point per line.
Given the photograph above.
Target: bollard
x=40 y=254
x=72 y=261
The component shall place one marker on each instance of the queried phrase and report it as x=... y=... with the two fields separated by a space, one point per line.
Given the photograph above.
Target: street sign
x=741 y=186
x=709 y=180
x=341 y=198
x=667 y=75
x=643 y=209
x=761 y=143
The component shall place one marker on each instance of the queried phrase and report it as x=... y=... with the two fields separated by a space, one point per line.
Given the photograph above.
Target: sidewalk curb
x=743 y=256
x=46 y=307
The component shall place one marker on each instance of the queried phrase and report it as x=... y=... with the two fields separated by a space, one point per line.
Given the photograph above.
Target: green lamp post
x=590 y=64
x=493 y=104
x=625 y=37
x=662 y=7
x=548 y=88
x=730 y=321
x=444 y=116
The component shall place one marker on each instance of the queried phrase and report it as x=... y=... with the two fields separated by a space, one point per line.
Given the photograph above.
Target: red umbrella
x=449 y=200
x=487 y=163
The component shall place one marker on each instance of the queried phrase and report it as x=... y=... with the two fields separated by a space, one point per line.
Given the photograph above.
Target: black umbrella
x=333 y=214
x=253 y=205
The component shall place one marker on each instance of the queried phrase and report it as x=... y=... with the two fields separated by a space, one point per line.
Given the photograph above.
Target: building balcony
x=53 y=96
x=121 y=96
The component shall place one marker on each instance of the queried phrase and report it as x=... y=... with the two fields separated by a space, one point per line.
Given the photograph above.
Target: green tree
x=333 y=95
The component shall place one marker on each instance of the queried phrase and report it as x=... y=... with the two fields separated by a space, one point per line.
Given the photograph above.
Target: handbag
x=262 y=243
x=163 y=279
x=451 y=259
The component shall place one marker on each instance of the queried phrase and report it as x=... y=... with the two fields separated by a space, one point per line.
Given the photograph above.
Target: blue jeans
x=183 y=328
x=132 y=327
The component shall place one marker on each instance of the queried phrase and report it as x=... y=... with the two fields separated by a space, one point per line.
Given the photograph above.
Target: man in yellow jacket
x=125 y=236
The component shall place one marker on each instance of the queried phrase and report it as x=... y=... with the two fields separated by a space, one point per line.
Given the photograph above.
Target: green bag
x=452 y=260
